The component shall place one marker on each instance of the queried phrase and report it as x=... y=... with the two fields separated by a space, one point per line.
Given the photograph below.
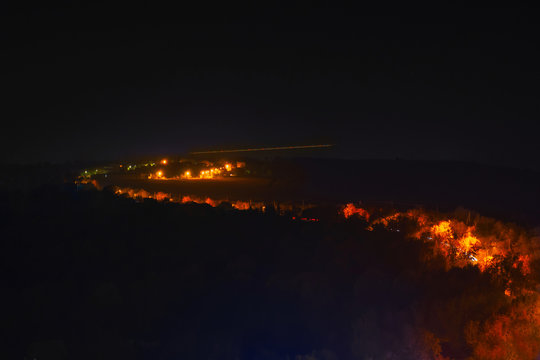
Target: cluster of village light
x=159 y=174
x=203 y=174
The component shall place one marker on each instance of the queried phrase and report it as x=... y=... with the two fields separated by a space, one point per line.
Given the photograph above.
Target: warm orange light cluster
x=186 y=175
x=443 y=230
x=158 y=175
x=210 y=174
x=204 y=174
x=207 y=173
x=469 y=242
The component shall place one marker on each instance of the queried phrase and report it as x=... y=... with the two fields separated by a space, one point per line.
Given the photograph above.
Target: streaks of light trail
x=264 y=149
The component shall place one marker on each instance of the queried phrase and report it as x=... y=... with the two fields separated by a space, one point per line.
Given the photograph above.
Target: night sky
x=100 y=82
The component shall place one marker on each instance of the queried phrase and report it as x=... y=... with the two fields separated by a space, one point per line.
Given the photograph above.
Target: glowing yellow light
x=159 y=173
x=187 y=173
x=228 y=167
x=164 y=161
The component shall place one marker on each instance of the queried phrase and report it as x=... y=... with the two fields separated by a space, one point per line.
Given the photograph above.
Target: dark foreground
x=88 y=275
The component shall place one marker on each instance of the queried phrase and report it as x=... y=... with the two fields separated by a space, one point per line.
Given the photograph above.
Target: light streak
x=264 y=149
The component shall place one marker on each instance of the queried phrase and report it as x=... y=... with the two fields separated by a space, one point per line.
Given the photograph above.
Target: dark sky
x=101 y=81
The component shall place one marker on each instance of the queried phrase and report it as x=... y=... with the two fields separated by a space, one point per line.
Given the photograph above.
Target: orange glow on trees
x=515 y=335
x=160 y=196
x=488 y=244
x=468 y=242
x=351 y=210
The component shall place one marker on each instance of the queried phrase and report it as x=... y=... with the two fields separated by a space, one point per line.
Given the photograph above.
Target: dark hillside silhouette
x=91 y=275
